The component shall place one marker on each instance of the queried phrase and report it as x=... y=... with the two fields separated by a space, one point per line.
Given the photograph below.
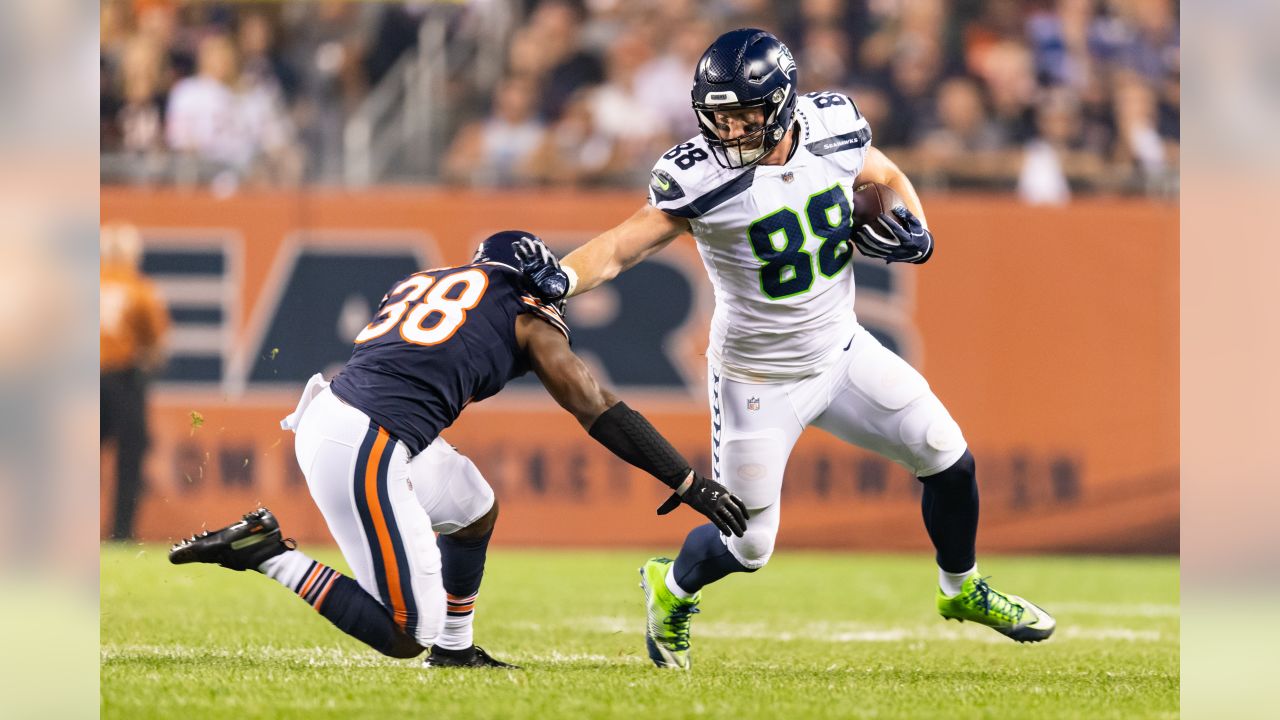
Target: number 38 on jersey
x=428 y=310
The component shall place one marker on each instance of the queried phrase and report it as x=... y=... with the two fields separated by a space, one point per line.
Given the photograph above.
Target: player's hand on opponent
x=899 y=237
x=542 y=270
x=714 y=500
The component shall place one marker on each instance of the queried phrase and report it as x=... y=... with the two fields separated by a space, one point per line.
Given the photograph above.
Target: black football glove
x=714 y=500
x=541 y=270
x=899 y=237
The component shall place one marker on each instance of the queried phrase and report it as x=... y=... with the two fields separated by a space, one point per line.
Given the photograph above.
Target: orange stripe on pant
x=385 y=547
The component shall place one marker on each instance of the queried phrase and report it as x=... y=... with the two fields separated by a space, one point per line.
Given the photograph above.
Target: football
x=872 y=199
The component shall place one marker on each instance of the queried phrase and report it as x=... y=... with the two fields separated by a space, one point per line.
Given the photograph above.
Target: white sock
x=674 y=586
x=287 y=568
x=456 y=634
x=950 y=583
x=311 y=580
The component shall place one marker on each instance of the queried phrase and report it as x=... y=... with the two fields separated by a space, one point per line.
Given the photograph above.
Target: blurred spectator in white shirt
x=490 y=152
x=1054 y=158
x=663 y=82
x=211 y=118
x=575 y=152
x=617 y=105
x=139 y=121
x=204 y=119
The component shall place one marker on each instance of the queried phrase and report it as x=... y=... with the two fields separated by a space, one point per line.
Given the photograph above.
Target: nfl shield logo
x=753 y=403
x=788 y=177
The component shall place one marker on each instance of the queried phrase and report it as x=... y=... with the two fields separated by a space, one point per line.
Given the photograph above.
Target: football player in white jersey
x=766 y=191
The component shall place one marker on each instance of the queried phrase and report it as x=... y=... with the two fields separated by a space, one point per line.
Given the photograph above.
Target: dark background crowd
x=1047 y=98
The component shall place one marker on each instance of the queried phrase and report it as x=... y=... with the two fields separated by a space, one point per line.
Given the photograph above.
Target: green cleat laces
x=1008 y=615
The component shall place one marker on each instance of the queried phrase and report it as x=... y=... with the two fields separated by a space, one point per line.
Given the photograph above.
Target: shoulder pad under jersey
x=687 y=182
x=831 y=123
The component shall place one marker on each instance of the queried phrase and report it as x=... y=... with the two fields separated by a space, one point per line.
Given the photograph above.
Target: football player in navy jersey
x=369 y=445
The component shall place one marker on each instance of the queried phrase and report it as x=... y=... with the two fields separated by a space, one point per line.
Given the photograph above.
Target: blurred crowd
x=1045 y=97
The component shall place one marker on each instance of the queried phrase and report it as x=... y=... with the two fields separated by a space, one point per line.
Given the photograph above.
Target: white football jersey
x=773 y=239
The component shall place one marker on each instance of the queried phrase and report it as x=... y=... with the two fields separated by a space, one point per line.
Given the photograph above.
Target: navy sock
x=356 y=613
x=950 y=508
x=462 y=563
x=704 y=559
x=461 y=569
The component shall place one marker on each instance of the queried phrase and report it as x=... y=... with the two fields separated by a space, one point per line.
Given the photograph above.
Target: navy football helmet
x=500 y=248
x=538 y=267
x=745 y=68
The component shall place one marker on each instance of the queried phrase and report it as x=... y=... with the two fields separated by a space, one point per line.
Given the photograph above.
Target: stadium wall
x=1050 y=333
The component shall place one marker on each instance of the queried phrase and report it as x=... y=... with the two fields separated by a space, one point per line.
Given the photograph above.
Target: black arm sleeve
x=630 y=436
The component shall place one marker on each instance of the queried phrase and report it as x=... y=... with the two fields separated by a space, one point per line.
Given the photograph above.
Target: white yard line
x=841 y=632
x=825 y=632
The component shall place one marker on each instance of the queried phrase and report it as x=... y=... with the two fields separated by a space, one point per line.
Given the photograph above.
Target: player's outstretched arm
x=601 y=258
x=622 y=430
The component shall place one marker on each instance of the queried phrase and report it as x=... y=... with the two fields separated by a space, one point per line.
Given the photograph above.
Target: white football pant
x=382 y=507
x=869 y=397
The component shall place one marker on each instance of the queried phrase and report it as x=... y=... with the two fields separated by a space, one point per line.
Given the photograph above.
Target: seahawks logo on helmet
x=663 y=187
x=785 y=62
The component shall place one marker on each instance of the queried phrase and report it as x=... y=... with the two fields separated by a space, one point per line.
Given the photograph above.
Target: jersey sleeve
x=666 y=192
x=543 y=311
x=686 y=182
x=839 y=131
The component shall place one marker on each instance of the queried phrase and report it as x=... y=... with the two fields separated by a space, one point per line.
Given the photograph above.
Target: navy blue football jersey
x=441 y=339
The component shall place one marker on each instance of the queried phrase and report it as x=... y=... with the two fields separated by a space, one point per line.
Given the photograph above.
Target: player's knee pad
x=449 y=487
x=751 y=466
x=932 y=438
x=753 y=549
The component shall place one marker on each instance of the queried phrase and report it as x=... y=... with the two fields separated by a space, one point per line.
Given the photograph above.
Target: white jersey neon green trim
x=772 y=238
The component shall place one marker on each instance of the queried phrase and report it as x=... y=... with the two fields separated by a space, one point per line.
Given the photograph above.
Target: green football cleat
x=667 y=636
x=1008 y=615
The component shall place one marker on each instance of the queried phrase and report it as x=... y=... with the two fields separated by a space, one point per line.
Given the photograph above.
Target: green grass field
x=811 y=636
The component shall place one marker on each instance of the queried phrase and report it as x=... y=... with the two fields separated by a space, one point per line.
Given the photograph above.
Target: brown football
x=871 y=199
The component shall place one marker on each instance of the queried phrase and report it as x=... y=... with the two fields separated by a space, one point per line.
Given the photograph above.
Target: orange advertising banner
x=1050 y=334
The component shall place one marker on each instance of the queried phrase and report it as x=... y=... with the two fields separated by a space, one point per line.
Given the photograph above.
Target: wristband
x=573 y=279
